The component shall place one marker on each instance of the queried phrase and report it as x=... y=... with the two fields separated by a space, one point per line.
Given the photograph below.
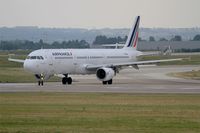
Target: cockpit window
x=35 y=57
x=41 y=58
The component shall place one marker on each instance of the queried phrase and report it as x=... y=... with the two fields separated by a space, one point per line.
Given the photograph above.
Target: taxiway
x=151 y=79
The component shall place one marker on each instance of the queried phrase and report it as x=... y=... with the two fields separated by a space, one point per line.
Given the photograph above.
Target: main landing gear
x=107 y=82
x=40 y=79
x=66 y=80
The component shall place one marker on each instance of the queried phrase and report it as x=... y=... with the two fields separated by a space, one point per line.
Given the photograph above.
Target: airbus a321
x=105 y=63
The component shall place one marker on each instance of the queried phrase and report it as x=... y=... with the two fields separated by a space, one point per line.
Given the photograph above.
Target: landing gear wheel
x=110 y=82
x=64 y=81
x=69 y=80
x=107 y=82
x=40 y=83
x=104 y=82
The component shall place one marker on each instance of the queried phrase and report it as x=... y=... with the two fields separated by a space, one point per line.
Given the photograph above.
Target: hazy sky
x=99 y=13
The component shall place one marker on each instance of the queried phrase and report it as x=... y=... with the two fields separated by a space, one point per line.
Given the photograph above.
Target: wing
x=134 y=64
x=16 y=60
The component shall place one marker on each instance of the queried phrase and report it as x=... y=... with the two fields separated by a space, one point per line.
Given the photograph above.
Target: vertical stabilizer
x=133 y=35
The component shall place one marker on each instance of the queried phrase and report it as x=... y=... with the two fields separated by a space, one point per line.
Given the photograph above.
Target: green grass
x=18 y=75
x=15 y=75
x=92 y=112
x=17 y=52
x=4 y=63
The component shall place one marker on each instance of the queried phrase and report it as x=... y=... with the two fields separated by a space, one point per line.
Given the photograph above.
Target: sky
x=100 y=13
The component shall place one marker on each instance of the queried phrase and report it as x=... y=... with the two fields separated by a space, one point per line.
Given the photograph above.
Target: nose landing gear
x=40 y=79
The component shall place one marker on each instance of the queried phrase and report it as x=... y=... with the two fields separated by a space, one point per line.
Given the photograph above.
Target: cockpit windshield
x=35 y=57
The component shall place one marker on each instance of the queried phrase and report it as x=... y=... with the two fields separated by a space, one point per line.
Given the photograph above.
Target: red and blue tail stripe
x=133 y=35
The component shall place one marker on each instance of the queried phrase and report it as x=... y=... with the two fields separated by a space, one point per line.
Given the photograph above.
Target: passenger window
x=41 y=58
x=38 y=57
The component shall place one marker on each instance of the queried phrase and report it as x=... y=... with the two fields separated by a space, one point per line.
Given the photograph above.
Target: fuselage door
x=50 y=62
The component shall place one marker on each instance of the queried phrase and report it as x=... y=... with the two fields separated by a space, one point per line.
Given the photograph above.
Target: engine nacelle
x=105 y=74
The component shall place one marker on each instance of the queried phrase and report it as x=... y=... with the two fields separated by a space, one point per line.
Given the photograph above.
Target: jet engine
x=105 y=74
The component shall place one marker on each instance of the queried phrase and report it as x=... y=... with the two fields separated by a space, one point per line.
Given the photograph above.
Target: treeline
x=113 y=40
x=30 y=45
x=187 y=50
x=175 y=38
x=109 y=40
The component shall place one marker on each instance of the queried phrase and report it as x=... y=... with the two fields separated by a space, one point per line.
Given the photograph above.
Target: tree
x=108 y=40
x=100 y=40
x=196 y=38
x=140 y=39
x=163 y=39
x=176 y=38
x=125 y=38
x=151 y=39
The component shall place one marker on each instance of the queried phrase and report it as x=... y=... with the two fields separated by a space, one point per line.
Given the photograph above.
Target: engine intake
x=105 y=74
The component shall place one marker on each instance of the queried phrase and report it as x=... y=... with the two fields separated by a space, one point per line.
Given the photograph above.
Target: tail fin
x=133 y=35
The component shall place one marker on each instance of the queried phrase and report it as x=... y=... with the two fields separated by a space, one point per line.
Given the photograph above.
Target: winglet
x=133 y=35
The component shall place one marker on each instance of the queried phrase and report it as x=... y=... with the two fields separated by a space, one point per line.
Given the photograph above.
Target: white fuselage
x=75 y=61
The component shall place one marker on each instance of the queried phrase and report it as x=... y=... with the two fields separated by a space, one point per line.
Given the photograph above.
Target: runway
x=151 y=79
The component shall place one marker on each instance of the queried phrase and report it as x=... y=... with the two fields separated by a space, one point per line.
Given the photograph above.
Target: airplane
x=105 y=63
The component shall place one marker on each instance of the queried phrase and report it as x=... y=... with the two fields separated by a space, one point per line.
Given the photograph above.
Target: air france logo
x=62 y=54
